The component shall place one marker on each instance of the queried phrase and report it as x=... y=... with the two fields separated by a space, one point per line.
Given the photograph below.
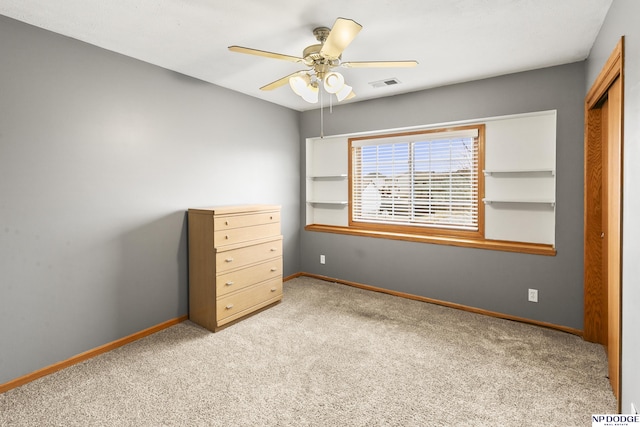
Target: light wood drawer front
x=225 y=222
x=245 y=234
x=236 y=303
x=238 y=279
x=236 y=258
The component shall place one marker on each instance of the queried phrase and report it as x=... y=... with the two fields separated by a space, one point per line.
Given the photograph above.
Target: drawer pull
x=274 y=269
x=226 y=223
x=273 y=289
x=273 y=249
x=229 y=283
x=271 y=217
x=229 y=306
x=226 y=237
x=228 y=260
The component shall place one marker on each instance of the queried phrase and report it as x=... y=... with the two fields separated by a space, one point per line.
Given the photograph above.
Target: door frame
x=602 y=307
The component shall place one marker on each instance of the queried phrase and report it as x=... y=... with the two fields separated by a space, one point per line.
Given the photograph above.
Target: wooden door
x=612 y=226
x=603 y=212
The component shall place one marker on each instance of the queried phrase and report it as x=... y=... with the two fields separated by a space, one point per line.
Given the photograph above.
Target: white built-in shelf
x=489 y=172
x=327 y=177
x=328 y=202
x=535 y=201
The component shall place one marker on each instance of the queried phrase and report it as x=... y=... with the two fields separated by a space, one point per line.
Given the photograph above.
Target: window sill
x=496 y=245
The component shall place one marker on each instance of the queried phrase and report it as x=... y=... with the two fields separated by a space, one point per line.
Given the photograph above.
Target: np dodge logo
x=615 y=420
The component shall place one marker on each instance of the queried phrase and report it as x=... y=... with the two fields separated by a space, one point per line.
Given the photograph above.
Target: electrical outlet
x=634 y=411
x=533 y=295
x=322 y=259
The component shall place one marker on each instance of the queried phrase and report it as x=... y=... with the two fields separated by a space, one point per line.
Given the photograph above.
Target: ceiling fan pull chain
x=321 y=116
x=330 y=104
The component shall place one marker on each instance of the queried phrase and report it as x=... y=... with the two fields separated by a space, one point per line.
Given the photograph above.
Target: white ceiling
x=453 y=40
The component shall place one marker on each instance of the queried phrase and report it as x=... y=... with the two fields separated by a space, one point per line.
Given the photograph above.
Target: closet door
x=603 y=212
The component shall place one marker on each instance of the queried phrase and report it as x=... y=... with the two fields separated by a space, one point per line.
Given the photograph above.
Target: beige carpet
x=330 y=355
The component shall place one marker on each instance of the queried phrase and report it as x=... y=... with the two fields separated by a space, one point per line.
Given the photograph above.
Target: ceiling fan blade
x=342 y=33
x=281 y=82
x=264 y=53
x=379 y=64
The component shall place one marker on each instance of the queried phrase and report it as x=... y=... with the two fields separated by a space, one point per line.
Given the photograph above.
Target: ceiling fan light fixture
x=299 y=83
x=345 y=93
x=311 y=93
x=304 y=87
x=333 y=82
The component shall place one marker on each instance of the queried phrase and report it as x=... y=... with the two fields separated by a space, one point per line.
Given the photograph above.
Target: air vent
x=386 y=82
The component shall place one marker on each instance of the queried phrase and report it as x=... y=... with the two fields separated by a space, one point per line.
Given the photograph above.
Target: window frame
x=416 y=230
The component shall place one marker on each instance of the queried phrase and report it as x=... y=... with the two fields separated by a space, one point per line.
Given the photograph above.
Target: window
x=425 y=182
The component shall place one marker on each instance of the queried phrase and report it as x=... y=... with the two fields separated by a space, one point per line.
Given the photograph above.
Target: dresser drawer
x=245 y=234
x=238 y=279
x=225 y=222
x=238 y=304
x=237 y=258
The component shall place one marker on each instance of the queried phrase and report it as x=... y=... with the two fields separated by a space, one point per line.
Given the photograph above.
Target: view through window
x=427 y=180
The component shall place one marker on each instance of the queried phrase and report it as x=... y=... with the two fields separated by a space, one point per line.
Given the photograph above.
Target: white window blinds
x=419 y=179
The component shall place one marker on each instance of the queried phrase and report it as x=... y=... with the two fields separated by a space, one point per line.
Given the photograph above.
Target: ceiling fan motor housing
x=313 y=58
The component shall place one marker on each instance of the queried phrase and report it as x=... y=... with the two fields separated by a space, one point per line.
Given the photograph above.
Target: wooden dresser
x=235 y=262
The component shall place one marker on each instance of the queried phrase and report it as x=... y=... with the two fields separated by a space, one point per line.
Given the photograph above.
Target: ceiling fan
x=321 y=59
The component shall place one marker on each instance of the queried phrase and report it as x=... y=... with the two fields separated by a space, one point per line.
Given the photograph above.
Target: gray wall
x=491 y=280
x=622 y=20
x=100 y=156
